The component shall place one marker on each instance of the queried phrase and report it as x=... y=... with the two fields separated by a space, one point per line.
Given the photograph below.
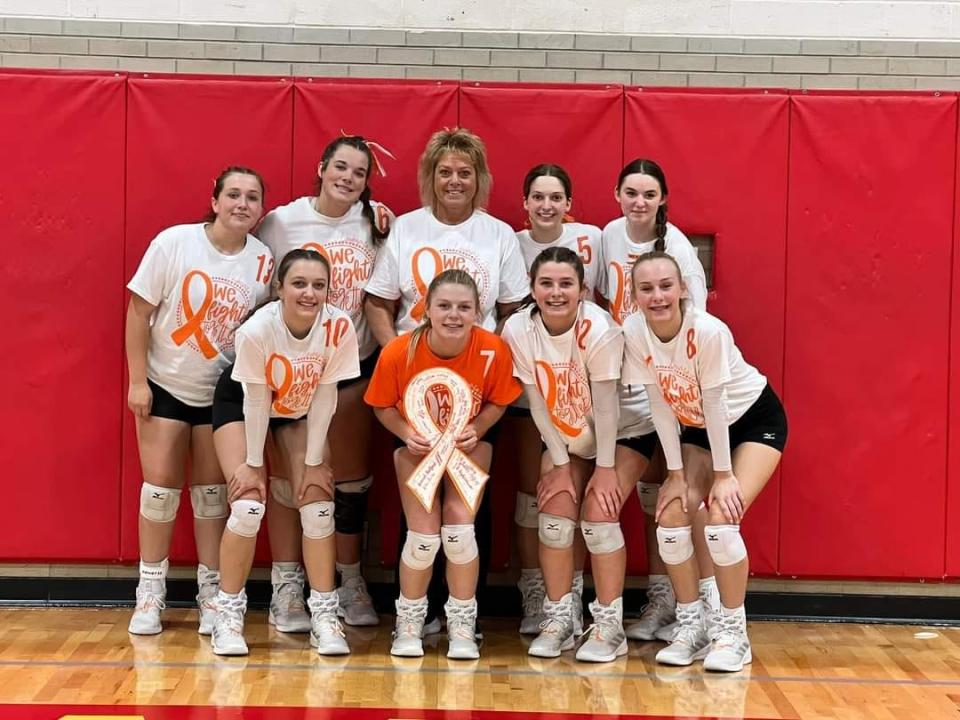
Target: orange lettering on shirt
x=550 y=397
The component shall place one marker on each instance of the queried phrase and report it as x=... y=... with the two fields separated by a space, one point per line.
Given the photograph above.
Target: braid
x=377 y=234
x=661 y=229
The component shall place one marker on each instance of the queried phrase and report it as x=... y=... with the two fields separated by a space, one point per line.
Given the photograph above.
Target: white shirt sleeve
x=606 y=356
x=384 y=282
x=713 y=358
x=606 y=417
x=513 y=336
x=514 y=280
x=635 y=370
x=256 y=420
x=250 y=365
x=150 y=279
x=667 y=429
x=548 y=431
x=344 y=362
x=715 y=418
x=322 y=408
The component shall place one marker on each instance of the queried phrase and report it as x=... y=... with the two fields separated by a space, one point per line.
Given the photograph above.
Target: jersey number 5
x=583 y=247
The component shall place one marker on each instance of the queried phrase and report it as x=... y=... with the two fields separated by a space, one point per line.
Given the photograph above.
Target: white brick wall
x=860 y=19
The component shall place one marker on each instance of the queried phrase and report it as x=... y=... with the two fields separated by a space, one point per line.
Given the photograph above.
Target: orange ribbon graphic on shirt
x=619 y=297
x=283 y=387
x=550 y=397
x=194 y=320
x=444 y=457
x=317 y=247
x=416 y=312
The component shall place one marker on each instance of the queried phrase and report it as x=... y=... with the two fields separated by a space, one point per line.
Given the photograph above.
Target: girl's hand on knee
x=605 y=485
x=318 y=476
x=554 y=482
x=727 y=495
x=246 y=479
x=673 y=488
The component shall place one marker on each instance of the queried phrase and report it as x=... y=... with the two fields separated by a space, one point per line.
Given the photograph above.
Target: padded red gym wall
x=868 y=310
x=724 y=155
x=182 y=131
x=61 y=293
x=953 y=428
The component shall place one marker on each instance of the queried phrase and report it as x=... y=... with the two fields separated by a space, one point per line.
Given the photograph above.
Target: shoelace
x=329 y=623
x=147 y=599
x=461 y=621
x=658 y=598
x=230 y=615
x=536 y=591
x=410 y=620
x=728 y=631
x=606 y=620
x=554 y=625
x=357 y=592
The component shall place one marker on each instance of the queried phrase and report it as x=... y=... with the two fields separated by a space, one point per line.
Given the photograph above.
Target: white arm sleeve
x=666 y=424
x=256 y=420
x=551 y=436
x=606 y=417
x=715 y=418
x=322 y=408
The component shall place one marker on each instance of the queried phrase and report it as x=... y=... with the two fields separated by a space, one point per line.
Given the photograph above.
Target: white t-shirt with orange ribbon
x=345 y=241
x=701 y=356
x=420 y=247
x=619 y=253
x=584 y=240
x=562 y=366
x=202 y=296
x=269 y=354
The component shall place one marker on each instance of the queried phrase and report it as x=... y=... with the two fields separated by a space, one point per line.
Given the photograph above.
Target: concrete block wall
x=652 y=60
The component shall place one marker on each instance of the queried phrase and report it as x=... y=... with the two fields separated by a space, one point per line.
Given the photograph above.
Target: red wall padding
x=833 y=215
x=579 y=127
x=182 y=133
x=61 y=292
x=868 y=320
x=953 y=417
x=725 y=159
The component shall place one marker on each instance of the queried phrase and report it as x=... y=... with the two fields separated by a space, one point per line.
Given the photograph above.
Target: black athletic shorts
x=167 y=406
x=228 y=403
x=366 y=370
x=646 y=445
x=764 y=422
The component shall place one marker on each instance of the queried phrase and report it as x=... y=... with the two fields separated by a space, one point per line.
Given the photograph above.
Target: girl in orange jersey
x=348 y=228
x=734 y=431
x=547 y=198
x=567 y=353
x=195 y=285
x=290 y=356
x=447 y=338
x=642 y=194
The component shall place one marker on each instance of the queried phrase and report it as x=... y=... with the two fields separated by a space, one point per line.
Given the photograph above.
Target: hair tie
x=373 y=147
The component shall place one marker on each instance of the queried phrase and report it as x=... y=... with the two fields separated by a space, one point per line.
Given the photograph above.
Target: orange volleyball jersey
x=486 y=365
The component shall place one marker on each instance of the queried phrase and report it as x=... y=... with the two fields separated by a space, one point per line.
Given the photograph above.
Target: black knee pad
x=350 y=508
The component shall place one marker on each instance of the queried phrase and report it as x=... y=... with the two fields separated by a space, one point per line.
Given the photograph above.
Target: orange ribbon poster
x=281 y=388
x=194 y=320
x=444 y=456
x=550 y=397
x=416 y=312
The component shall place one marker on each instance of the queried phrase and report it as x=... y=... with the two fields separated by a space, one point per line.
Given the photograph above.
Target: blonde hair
x=458 y=141
x=454 y=276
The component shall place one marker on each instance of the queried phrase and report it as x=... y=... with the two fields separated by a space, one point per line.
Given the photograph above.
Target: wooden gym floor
x=57 y=663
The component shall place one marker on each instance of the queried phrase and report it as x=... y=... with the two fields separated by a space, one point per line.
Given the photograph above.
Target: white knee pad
x=419 y=550
x=602 y=537
x=675 y=544
x=725 y=543
x=209 y=501
x=647 y=492
x=317 y=519
x=281 y=490
x=459 y=543
x=556 y=531
x=525 y=514
x=159 y=504
x=245 y=517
